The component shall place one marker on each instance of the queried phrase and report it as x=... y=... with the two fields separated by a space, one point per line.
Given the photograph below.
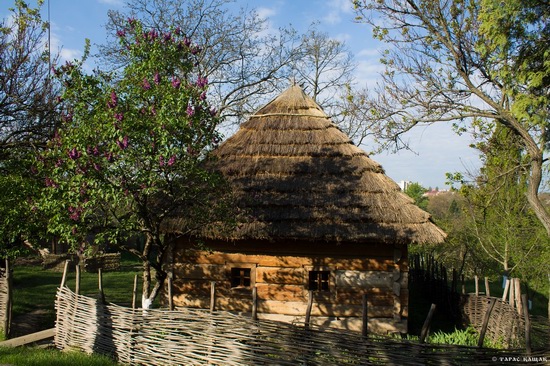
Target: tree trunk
x=145 y=301
x=535 y=179
x=149 y=295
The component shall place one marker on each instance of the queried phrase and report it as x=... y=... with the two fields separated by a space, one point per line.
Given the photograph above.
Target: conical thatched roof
x=300 y=177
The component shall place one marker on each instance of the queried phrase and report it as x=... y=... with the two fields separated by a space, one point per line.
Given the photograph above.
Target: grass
x=24 y=356
x=35 y=288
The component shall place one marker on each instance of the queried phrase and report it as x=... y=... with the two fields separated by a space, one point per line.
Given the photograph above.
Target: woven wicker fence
x=198 y=337
x=505 y=325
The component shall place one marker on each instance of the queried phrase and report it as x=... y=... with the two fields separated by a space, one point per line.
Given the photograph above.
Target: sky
x=437 y=149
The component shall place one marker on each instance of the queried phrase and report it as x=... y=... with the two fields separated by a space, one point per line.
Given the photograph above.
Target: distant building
x=404 y=184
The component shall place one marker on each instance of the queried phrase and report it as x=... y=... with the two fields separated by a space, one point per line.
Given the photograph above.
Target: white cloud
x=68 y=54
x=266 y=13
x=112 y=2
x=336 y=8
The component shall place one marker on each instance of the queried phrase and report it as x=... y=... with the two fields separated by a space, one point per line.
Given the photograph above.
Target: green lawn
x=35 y=288
x=24 y=356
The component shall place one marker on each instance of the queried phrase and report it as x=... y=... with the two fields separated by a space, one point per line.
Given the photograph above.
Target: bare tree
x=469 y=62
x=241 y=56
x=27 y=96
x=325 y=68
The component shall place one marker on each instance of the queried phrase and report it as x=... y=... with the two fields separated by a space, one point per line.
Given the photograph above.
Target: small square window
x=319 y=280
x=240 y=277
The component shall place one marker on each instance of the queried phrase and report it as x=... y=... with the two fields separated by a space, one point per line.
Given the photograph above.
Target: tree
x=324 y=68
x=244 y=62
x=416 y=192
x=505 y=226
x=466 y=61
x=27 y=119
x=130 y=156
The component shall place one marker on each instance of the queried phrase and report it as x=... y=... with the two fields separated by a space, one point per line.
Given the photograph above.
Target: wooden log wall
x=282 y=283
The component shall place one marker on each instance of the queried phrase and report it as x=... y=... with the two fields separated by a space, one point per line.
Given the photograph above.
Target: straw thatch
x=300 y=177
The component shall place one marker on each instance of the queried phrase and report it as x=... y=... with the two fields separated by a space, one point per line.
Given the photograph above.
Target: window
x=240 y=277
x=319 y=280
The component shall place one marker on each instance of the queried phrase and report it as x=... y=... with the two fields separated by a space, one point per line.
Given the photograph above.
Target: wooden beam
x=29 y=338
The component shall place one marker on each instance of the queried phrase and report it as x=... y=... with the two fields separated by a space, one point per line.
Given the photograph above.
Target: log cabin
x=325 y=227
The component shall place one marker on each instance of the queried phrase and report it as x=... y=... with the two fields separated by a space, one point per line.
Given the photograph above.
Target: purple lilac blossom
x=176 y=82
x=146 y=85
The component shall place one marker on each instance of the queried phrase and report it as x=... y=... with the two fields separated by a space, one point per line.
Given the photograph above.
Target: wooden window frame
x=319 y=271
x=231 y=267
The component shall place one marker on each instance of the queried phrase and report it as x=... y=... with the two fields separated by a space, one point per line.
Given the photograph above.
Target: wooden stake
x=134 y=293
x=254 y=303
x=517 y=292
x=511 y=299
x=7 y=315
x=308 y=309
x=212 y=295
x=426 y=326
x=527 y=323
x=487 y=289
x=364 y=329
x=506 y=289
x=65 y=270
x=170 y=297
x=486 y=318
x=100 y=285
x=477 y=285
x=77 y=285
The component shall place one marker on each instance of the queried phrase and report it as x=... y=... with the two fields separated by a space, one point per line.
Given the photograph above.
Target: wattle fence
x=200 y=337
x=501 y=320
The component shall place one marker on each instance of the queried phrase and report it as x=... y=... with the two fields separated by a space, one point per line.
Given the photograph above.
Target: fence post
x=364 y=329
x=486 y=318
x=65 y=270
x=77 y=285
x=254 y=303
x=512 y=298
x=134 y=292
x=487 y=289
x=527 y=324
x=308 y=309
x=100 y=285
x=9 y=301
x=517 y=292
x=426 y=326
x=477 y=285
x=506 y=289
x=212 y=295
x=170 y=299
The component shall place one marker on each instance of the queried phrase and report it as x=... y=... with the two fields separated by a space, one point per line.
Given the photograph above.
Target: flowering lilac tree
x=129 y=158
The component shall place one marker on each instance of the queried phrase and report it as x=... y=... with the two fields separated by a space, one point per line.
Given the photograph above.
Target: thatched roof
x=300 y=177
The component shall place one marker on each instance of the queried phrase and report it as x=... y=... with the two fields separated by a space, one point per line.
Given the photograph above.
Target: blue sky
x=437 y=149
